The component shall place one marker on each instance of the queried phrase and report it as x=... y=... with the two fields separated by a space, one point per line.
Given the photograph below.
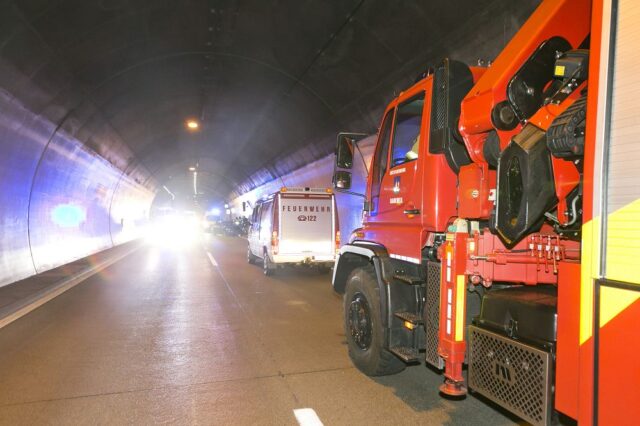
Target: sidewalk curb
x=23 y=307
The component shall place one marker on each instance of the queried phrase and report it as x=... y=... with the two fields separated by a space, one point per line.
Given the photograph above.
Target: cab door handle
x=412 y=211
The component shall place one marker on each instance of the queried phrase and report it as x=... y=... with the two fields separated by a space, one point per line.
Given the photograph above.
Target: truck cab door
x=395 y=218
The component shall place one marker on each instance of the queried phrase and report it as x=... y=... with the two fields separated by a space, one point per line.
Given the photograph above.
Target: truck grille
x=514 y=375
x=432 y=315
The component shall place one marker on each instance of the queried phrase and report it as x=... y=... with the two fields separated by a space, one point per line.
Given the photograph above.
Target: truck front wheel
x=363 y=325
x=251 y=258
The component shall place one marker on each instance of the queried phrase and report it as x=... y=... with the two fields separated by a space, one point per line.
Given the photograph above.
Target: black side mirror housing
x=345 y=149
x=344 y=152
x=342 y=179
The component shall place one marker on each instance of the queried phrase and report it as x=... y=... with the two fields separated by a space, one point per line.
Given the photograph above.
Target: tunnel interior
x=95 y=96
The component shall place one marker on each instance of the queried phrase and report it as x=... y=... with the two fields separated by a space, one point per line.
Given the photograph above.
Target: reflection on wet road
x=194 y=334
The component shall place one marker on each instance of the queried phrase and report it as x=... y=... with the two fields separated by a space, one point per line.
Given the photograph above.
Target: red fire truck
x=501 y=222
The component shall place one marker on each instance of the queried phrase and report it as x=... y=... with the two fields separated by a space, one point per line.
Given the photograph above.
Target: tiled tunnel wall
x=60 y=201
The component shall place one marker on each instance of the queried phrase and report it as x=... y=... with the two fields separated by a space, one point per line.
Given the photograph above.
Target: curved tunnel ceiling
x=271 y=82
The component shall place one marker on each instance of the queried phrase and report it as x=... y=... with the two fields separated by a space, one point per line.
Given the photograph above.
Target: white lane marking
x=213 y=261
x=307 y=417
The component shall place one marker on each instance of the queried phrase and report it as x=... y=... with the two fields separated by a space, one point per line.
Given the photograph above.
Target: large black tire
x=363 y=325
x=268 y=268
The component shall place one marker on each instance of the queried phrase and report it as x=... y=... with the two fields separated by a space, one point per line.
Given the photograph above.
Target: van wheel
x=268 y=268
x=251 y=258
x=363 y=325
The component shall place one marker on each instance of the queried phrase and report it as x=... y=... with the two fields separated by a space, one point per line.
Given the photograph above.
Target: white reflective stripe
x=335 y=269
x=213 y=261
x=307 y=417
x=357 y=250
x=405 y=258
x=449 y=309
x=303 y=190
x=370 y=253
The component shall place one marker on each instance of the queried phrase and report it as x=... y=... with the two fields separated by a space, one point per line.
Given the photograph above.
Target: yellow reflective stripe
x=589 y=270
x=623 y=244
x=613 y=301
x=460 y=294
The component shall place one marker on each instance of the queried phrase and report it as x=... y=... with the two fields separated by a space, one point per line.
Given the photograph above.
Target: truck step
x=408 y=355
x=409 y=317
x=408 y=279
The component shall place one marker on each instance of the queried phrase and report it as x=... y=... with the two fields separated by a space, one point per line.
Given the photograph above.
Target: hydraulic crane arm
x=513 y=87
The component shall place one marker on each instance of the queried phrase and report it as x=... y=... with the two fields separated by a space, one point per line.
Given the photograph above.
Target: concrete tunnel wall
x=318 y=174
x=60 y=201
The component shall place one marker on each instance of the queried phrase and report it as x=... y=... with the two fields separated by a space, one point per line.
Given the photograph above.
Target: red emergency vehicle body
x=600 y=373
x=433 y=212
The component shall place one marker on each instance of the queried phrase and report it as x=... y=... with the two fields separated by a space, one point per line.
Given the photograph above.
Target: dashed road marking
x=307 y=417
x=213 y=261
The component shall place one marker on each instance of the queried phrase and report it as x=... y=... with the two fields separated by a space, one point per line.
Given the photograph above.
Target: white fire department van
x=295 y=226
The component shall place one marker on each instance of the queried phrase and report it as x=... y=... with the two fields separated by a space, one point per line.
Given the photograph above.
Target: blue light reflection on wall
x=68 y=215
x=58 y=199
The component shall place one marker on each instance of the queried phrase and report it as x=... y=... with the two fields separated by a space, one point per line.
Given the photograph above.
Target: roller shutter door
x=623 y=177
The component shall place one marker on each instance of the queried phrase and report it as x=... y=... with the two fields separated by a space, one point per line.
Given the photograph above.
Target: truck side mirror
x=345 y=148
x=344 y=151
x=342 y=179
x=347 y=144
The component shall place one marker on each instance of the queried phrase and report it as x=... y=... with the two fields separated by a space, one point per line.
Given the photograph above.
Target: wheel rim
x=360 y=321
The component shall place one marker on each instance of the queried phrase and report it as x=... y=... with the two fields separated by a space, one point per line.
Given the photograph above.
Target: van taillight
x=337 y=241
x=274 y=242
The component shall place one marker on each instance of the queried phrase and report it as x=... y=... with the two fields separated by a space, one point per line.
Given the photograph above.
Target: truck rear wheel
x=268 y=268
x=363 y=325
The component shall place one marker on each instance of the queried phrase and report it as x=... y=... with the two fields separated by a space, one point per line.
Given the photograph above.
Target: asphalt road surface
x=192 y=334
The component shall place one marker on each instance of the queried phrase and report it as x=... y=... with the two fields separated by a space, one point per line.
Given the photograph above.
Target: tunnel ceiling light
x=193 y=124
x=195 y=184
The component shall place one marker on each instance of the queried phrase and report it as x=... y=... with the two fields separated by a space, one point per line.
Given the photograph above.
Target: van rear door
x=307 y=224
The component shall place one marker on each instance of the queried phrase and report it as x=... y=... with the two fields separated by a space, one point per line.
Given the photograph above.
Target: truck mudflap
x=351 y=256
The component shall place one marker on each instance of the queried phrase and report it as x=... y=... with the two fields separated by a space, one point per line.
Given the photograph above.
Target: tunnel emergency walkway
x=193 y=334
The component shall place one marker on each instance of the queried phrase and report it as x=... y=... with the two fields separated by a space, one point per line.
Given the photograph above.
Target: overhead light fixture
x=173 y=197
x=192 y=124
x=192 y=169
x=195 y=184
